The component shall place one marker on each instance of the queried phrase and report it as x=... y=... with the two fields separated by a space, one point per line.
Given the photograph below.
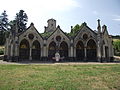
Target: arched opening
x=91 y=50
x=24 y=50
x=80 y=51
x=36 y=50
x=52 y=50
x=63 y=50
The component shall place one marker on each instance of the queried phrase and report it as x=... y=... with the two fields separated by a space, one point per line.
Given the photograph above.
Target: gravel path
x=47 y=63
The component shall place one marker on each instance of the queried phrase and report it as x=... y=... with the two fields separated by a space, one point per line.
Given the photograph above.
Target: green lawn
x=60 y=77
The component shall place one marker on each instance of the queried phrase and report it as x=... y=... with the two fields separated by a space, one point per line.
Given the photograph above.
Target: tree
x=4 y=25
x=76 y=28
x=21 y=19
x=116 y=45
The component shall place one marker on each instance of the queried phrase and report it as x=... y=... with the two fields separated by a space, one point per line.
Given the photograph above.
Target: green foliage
x=46 y=34
x=2 y=37
x=1 y=51
x=116 y=45
x=60 y=77
x=21 y=19
x=74 y=30
x=4 y=25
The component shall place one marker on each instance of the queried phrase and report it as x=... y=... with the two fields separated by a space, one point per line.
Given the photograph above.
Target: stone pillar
x=99 y=37
x=30 y=57
x=71 y=57
x=45 y=51
x=71 y=51
x=74 y=49
x=85 y=53
x=6 y=50
x=99 y=51
x=44 y=48
x=12 y=50
x=16 y=52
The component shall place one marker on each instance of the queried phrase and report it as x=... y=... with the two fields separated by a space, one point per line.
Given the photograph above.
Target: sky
x=67 y=13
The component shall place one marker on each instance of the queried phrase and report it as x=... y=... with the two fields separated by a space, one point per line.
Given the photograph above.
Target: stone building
x=85 y=45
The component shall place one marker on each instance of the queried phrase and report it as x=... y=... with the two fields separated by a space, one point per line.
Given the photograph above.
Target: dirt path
x=44 y=63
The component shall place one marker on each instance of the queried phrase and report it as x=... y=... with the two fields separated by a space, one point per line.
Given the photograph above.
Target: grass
x=116 y=39
x=60 y=77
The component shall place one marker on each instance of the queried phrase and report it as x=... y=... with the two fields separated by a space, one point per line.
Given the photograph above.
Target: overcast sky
x=67 y=12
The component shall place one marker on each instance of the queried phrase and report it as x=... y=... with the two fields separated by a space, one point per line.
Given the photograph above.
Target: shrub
x=1 y=51
x=116 y=45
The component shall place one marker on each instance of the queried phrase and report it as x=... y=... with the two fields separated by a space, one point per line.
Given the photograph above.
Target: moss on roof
x=75 y=30
x=46 y=34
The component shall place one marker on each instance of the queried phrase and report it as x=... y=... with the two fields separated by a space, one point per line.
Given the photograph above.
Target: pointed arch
x=52 y=49
x=36 y=50
x=63 y=49
x=80 y=51
x=91 y=50
x=24 y=50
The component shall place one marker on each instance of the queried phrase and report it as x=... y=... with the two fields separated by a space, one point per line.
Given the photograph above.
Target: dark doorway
x=80 y=51
x=36 y=51
x=63 y=50
x=24 y=50
x=91 y=50
x=52 y=50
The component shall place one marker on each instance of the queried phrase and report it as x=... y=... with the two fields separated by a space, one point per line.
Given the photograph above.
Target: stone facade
x=86 y=45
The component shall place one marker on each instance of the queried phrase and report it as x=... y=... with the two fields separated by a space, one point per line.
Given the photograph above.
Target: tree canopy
x=21 y=19
x=116 y=45
x=4 y=25
x=74 y=30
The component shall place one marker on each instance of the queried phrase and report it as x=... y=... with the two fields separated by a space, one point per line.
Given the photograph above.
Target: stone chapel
x=86 y=45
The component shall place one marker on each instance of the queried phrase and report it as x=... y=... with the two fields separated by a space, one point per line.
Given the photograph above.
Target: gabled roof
x=84 y=25
x=31 y=25
x=58 y=28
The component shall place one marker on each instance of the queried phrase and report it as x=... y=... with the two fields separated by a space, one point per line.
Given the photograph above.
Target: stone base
x=5 y=58
x=111 y=59
x=44 y=59
x=67 y=59
x=99 y=59
x=13 y=59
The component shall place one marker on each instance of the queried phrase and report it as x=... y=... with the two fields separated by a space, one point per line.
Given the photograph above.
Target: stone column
x=45 y=48
x=99 y=51
x=71 y=51
x=74 y=49
x=30 y=57
x=85 y=53
x=45 y=51
x=6 y=50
